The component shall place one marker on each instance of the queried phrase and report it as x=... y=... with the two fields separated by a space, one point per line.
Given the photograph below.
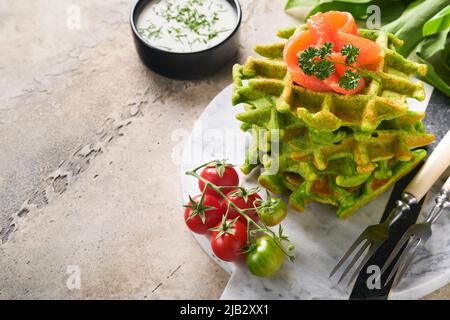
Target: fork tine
x=354 y=260
x=363 y=263
x=399 y=261
x=394 y=253
x=406 y=262
x=353 y=247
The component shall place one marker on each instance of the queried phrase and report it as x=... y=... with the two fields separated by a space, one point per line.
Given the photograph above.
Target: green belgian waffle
x=335 y=149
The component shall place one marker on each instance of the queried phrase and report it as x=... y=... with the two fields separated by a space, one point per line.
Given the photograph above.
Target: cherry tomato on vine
x=220 y=174
x=228 y=239
x=243 y=199
x=266 y=258
x=201 y=217
x=272 y=211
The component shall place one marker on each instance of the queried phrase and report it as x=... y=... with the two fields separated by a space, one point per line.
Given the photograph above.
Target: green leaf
x=357 y=9
x=220 y=166
x=300 y=8
x=220 y=169
x=409 y=25
x=445 y=58
x=431 y=46
x=440 y=22
x=435 y=79
x=390 y=10
x=434 y=51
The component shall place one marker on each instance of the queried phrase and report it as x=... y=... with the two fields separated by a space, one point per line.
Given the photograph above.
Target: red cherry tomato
x=229 y=177
x=229 y=244
x=212 y=217
x=239 y=200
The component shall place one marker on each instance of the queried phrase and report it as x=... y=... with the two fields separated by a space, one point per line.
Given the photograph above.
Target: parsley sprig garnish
x=351 y=52
x=313 y=61
x=317 y=61
x=350 y=80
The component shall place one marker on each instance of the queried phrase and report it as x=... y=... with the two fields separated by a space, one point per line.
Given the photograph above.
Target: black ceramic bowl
x=188 y=65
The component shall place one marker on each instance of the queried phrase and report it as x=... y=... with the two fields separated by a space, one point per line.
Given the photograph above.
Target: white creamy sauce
x=186 y=25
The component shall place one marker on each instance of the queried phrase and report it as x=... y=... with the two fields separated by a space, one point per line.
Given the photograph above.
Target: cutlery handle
x=446 y=186
x=436 y=164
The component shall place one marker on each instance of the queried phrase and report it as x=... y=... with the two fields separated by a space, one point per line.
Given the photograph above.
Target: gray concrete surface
x=87 y=137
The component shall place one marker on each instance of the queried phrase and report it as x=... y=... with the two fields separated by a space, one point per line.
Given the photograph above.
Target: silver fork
x=374 y=235
x=415 y=237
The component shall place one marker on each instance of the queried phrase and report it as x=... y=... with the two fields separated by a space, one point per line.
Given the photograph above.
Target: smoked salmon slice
x=340 y=29
x=297 y=44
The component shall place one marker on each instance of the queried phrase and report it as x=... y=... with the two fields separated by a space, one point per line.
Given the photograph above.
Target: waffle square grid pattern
x=335 y=149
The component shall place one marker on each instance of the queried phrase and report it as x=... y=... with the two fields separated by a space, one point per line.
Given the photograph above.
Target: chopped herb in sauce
x=186 y=25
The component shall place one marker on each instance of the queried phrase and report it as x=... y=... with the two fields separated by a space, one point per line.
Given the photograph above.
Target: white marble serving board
x=320 y=238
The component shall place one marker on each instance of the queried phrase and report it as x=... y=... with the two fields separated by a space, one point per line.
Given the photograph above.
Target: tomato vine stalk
x=253 y=228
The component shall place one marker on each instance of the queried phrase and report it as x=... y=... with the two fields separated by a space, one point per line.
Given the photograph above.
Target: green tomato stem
x=257 y=227
x=224 y=197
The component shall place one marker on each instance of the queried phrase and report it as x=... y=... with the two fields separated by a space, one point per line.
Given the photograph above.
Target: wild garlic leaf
x=409 y=25
x=440 y=22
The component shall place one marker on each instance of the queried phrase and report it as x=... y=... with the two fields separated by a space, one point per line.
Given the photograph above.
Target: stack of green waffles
x=342 y=150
